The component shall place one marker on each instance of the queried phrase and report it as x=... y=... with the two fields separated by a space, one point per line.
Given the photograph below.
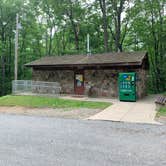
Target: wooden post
x=16 y=51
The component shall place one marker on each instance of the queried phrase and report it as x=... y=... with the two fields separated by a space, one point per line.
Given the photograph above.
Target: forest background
x=60 y=27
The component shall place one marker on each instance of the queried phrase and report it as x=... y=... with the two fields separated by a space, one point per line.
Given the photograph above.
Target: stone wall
x=141 y=83
x=64 y=77
x=105 y=82
x=101 y=83
x=98 y=83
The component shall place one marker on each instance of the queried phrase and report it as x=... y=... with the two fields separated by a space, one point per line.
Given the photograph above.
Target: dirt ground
x=79 y=113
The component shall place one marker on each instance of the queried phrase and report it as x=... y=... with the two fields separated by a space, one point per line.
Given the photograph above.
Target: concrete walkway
x=142 y=111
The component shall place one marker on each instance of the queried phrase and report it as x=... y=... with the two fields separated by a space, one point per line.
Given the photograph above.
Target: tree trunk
x=3 y=75
x=105 y=23
x=117 y=33
x=76 y=36
x=50 y=42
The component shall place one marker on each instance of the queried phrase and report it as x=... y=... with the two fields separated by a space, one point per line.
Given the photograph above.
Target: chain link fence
x=36 y=87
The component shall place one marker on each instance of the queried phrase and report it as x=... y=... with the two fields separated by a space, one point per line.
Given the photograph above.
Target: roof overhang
x=89 y=64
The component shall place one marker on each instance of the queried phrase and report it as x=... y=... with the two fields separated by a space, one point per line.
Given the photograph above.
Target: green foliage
x=149 y=27
x=161 y=112
x=59 y=27
x=35 y=101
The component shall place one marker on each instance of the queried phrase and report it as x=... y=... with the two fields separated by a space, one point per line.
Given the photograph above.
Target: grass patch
x=161 y=112
x=38 y=101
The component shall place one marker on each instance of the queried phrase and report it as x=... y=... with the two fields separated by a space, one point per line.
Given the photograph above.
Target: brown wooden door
x=79 y=82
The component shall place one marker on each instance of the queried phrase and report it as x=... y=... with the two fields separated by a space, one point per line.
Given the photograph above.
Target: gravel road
x=41 y=141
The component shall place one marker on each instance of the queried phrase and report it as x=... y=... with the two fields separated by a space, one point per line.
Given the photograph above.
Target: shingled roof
x=111 y=59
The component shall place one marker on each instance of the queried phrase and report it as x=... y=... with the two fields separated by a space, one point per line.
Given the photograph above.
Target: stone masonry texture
x=97 y=83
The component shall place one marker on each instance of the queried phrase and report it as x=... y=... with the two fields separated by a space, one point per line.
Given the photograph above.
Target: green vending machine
x=127 y=86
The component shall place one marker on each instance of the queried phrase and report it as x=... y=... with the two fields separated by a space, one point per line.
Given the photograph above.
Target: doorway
x=79 y=82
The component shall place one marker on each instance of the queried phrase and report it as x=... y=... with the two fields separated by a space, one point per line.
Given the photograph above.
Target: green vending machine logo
x=127 y=86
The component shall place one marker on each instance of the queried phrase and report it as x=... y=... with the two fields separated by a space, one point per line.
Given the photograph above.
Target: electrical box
x=127 y=86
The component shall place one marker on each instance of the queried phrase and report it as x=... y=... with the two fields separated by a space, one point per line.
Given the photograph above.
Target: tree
x=118 y=25
x=149 y=24
x=57 y=27
x=103 y=8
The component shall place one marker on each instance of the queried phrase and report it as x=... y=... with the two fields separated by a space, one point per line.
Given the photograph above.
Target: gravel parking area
x=41 y=141
x=79 y=113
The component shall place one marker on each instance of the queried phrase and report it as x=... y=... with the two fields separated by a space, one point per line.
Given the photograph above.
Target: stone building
x=92 y=75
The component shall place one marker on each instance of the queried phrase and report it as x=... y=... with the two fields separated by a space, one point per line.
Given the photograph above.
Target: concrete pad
x=142 y=111
x=112 y=113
